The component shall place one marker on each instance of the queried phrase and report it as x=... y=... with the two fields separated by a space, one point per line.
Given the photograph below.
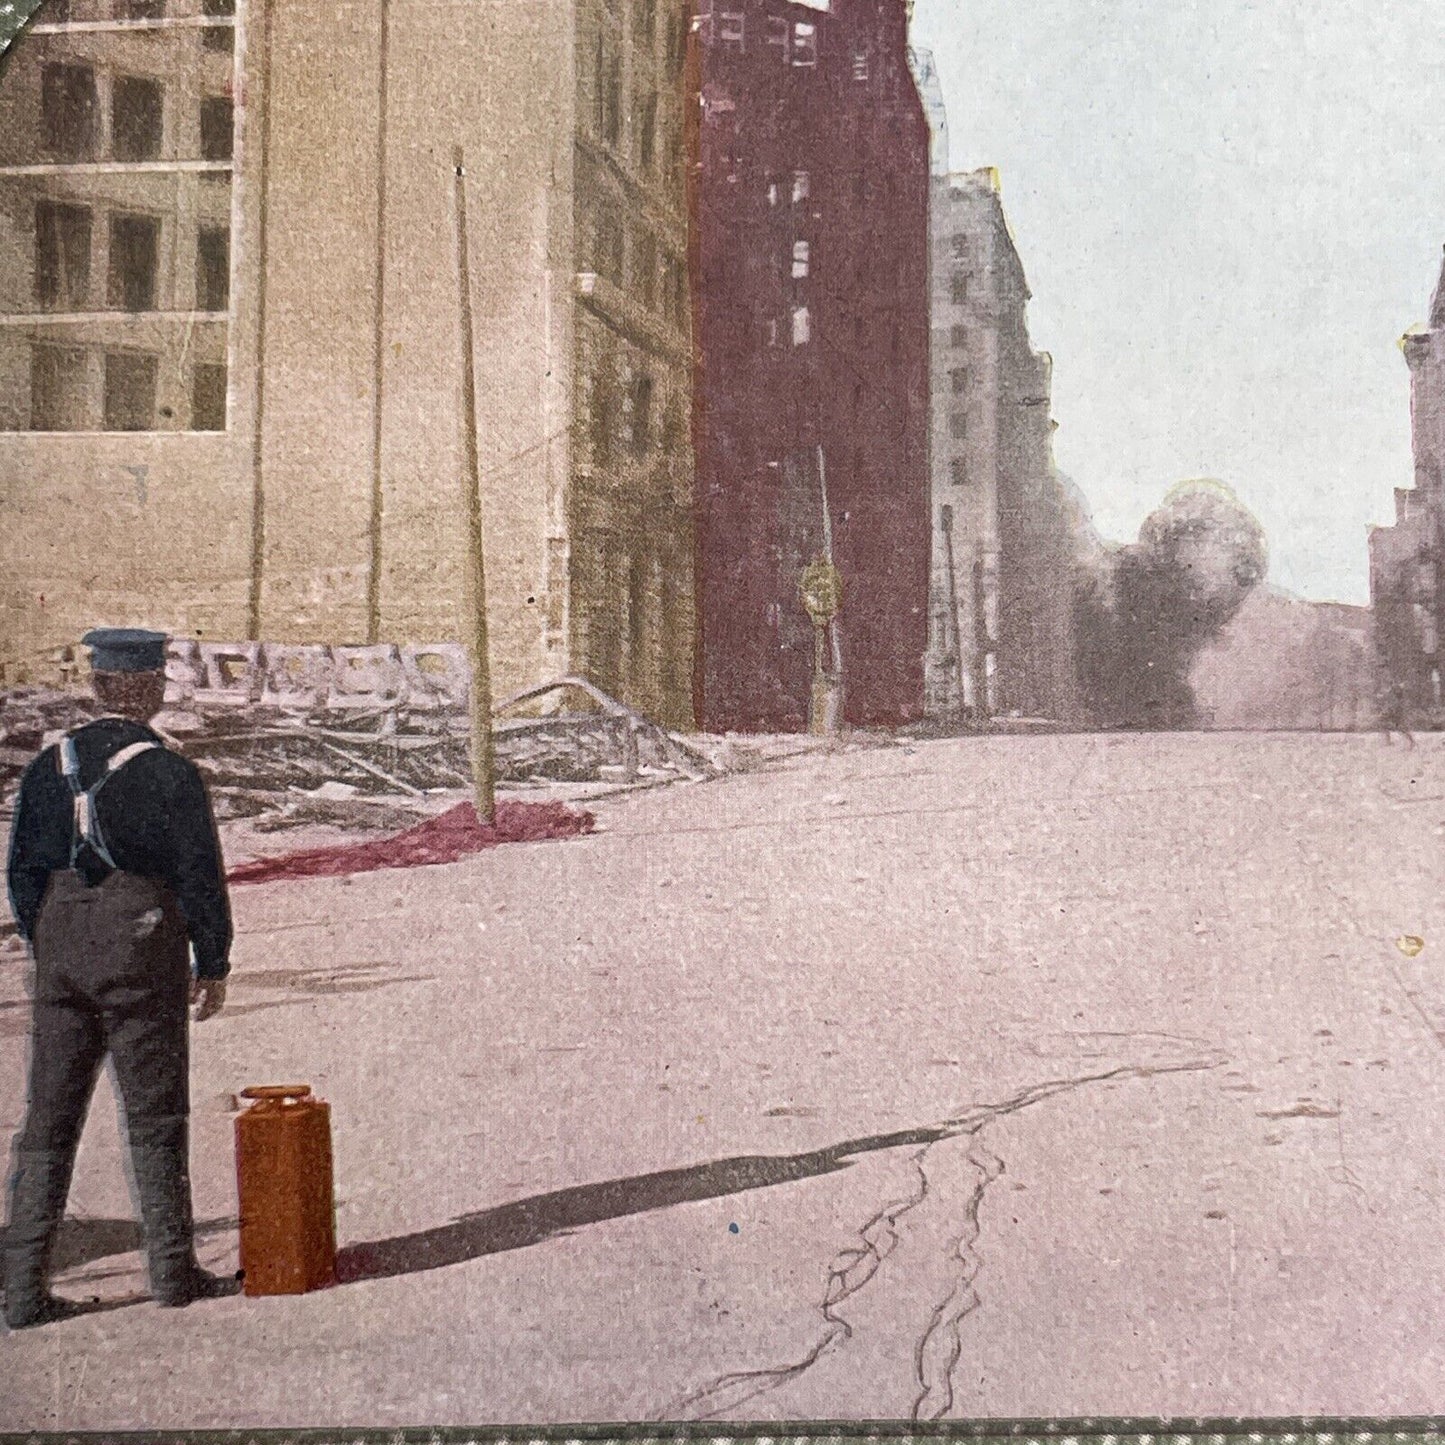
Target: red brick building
x=810 y=276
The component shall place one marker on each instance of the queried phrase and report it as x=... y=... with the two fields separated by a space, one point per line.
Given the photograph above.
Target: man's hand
x=208 y=995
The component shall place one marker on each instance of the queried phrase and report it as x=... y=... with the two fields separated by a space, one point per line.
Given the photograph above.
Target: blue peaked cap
x=126 y=649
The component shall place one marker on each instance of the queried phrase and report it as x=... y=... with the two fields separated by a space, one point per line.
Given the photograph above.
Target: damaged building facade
x=1005 y=534
x=1407 y=558
x=230 y=338
x=811 y=316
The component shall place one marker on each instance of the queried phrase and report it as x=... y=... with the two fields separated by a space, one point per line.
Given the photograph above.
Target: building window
x=958 y=337
x=770 y=332
x=960 y=248
x=860 y=65
x=609 y=93
x=731 y=31
x=800 y=260
x=958 y=471
x=647 y=131
x=641 y=407
x=680 y=292
x=219 y=37
x=213 y=269
x=676 y=40
x=805 y=43
x=602 y=408
x=135 y=243
x=772 y=193
x=958 y=290
x=58 y=390
x=608 y=245
x=644 y=22
x=62 y=255
x=802 y=326
x=130 y=391
x=136 y=110
x=676 y=298
x=208 y=398
x=958 y=425
x=68 y=109
x=672 y=434
x=778 y=34
x=801 y=187
x=139 y=9
x=959 y=377
x=218 y=123
x=644 y=257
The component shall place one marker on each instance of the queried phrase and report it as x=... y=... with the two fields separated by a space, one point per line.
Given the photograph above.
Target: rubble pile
x=28 y=715
x=347 y=763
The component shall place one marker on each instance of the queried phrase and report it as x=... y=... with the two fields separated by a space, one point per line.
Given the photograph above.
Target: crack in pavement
x=849 y=1271
x=939 y=1348
x=945 y=1324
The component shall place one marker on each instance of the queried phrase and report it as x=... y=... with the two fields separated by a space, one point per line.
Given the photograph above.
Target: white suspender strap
x=87 y=828
x=126 y=754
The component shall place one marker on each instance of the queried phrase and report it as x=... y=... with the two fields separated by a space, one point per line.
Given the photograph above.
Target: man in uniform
x=115 y=877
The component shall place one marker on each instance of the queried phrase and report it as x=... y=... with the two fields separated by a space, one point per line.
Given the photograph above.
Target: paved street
x=992 y=1077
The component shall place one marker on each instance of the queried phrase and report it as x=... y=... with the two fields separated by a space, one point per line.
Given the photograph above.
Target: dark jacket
x=156 y=821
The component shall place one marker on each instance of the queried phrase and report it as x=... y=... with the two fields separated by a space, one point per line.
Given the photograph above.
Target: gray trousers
x=112 y=977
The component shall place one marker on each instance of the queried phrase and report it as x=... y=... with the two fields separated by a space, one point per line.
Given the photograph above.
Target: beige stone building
x=1006 y=537
x=230 y=345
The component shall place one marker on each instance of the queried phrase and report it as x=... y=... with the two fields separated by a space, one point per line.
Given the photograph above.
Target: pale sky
x=1229 y=212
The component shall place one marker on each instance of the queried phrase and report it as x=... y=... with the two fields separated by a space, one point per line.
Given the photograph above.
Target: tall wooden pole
x=475 y=609
x=378 y=329
x=262 y=72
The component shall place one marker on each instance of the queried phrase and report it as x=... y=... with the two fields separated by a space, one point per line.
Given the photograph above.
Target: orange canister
x=283 y=1178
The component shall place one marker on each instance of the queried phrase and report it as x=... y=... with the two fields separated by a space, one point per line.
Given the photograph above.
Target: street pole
x=475 y=606
x=828 y=553
x=822 y=596
x=952 y=633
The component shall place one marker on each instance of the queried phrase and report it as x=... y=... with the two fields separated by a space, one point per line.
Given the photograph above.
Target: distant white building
x=930 y=88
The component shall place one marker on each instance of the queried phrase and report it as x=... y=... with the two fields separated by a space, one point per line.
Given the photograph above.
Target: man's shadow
x=526 y=1222
x=80 y=1242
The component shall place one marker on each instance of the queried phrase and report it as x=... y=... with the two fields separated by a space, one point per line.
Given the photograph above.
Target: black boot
x=164 y=1183
x=37 y=1204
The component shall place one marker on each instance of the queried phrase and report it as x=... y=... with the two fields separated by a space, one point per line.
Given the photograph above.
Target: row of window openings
x=644 y=31
x=62 y=12
x=796 y=42
x=637 y=420
x=651 y=283
x=61 y=393
x=645 y=109
x=802 y=328
x=70 y=107
x=799 y=187
x=62 y=261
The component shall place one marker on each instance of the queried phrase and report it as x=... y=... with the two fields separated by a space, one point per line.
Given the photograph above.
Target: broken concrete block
x=185 y=672
x=437 y=676
x=232 y=673
x=296 y=676
x=367 y=677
